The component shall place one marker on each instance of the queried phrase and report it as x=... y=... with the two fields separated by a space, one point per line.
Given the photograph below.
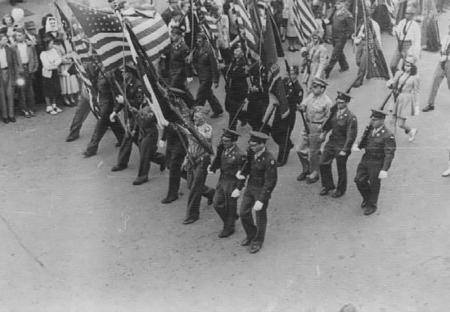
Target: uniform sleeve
x=214 y=68
x=270 y=180
x=352 y=131
x=216 y=163
x=389 y=151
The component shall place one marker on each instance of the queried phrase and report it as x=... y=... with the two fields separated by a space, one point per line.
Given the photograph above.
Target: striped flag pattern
x=304 y=20
x=104 y=31
x=86 y=82
x=152 y=34
x=245 y=23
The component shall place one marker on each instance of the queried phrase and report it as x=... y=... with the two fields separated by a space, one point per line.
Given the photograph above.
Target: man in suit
x=8 y=72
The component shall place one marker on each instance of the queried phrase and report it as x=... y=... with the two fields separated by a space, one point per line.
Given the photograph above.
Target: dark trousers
x=361 y=62
x=205 y=93
x=281 y=134
x=367 y=180
x=174 y=157
x=325 y=169
x=196 y=178
x=338 y=54
x=234 y=109
x=26 y=92
x=148 y=151
x=255 y=232
x=6 y=94
x=224 y=204
x=102 y=125
x=80 y=116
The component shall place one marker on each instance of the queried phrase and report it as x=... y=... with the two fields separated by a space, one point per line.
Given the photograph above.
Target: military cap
x=378 y=113
x=173 y=1
x=261 y=4
x=176 y=91
x=316 y=33
x=231 y=134
x=411 y=59
x=258 y=137
x=320 y=82
x=343 y=96
x=29 y=25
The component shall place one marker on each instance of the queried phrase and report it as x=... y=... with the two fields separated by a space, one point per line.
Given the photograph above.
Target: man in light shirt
x=408 y=34
x=442 y=70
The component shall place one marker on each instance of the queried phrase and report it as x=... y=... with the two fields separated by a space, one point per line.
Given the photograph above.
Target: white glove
x=239 y=175
x=443 y=58
x=189 y=79
x=120 y=99
x=113 y=116
x=258 y=205
x=355 y=148
x=235 y=193
x=382 y=175
x=162 y=143
x=342 y=153
x=209 y=169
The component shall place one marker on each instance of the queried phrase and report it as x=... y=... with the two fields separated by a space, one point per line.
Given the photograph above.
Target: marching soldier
x=258 y=96
x=236 y=87
x=317 y=107
x=342 y=28
x=344 y=128
x=229 y=160
x=208 y=74
x=262 y=178
x=282 y=129
x=379 y=143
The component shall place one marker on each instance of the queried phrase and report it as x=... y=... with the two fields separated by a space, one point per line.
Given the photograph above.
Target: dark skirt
x=51 y=86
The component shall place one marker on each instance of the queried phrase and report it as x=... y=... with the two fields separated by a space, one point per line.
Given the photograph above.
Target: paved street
x=78 y=237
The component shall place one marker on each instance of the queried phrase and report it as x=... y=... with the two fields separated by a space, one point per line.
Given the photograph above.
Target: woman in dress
x=289 y=24
x=430 y=30
x=51 y=60
x=69 y=83
x=406 y=85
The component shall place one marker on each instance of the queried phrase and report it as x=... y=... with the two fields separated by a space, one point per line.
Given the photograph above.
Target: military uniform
x=317 y=113
x=262 y=179
x=342 y=27
x=380 y=149
x=206 y=65
x=106 y=103
x=282 y=129
x=344 y=128
x=236 y=88
x=229 y=161
x=258 y=99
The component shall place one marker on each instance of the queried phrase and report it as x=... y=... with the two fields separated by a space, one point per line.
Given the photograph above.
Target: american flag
x=304 y=20
x=249 y=34
x=104 y=31
x=87 y=84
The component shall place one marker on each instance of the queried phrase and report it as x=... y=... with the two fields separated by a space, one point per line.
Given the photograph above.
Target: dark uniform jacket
x=262 y=174
x=229 y=162
x=206 y=64
x=342 y=23
x=379 y=146
x=294 y=96
x=178 y=67
x=344 y=129
x=236 y=85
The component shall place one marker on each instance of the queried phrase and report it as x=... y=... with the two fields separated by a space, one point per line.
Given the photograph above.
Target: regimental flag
x=249 y=35
x=376 y=63
x=272 y=47
x=304 y=21
x=151 y=32
x=87 y=84
x=104 y=31
x=64 y=22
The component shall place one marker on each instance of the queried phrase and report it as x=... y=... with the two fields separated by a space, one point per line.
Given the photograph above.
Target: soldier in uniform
x=258 y=96
x=317 y=107
x=206 y=65
x=229 y=159
x=342 y=28
x=106 y=103
x=344 y=128
x=282 y=129
x=261 y=168
x=176 y=57
x=236 y=87
x=379 y=143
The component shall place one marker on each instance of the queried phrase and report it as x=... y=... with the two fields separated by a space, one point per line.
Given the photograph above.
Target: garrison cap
x=378 y=113
x=258 y=137
x=231 y=134
x=320 y=82
x=343 y=96
x=29 y=25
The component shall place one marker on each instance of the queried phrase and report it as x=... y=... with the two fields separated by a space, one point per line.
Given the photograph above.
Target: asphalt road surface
x=77 y=237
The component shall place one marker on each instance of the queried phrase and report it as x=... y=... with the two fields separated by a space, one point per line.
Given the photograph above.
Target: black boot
x=305 y=165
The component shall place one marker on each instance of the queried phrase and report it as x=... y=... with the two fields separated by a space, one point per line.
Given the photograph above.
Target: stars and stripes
x=104 y=31
x=304 y=21
x=87 y=84
x=245 y=24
